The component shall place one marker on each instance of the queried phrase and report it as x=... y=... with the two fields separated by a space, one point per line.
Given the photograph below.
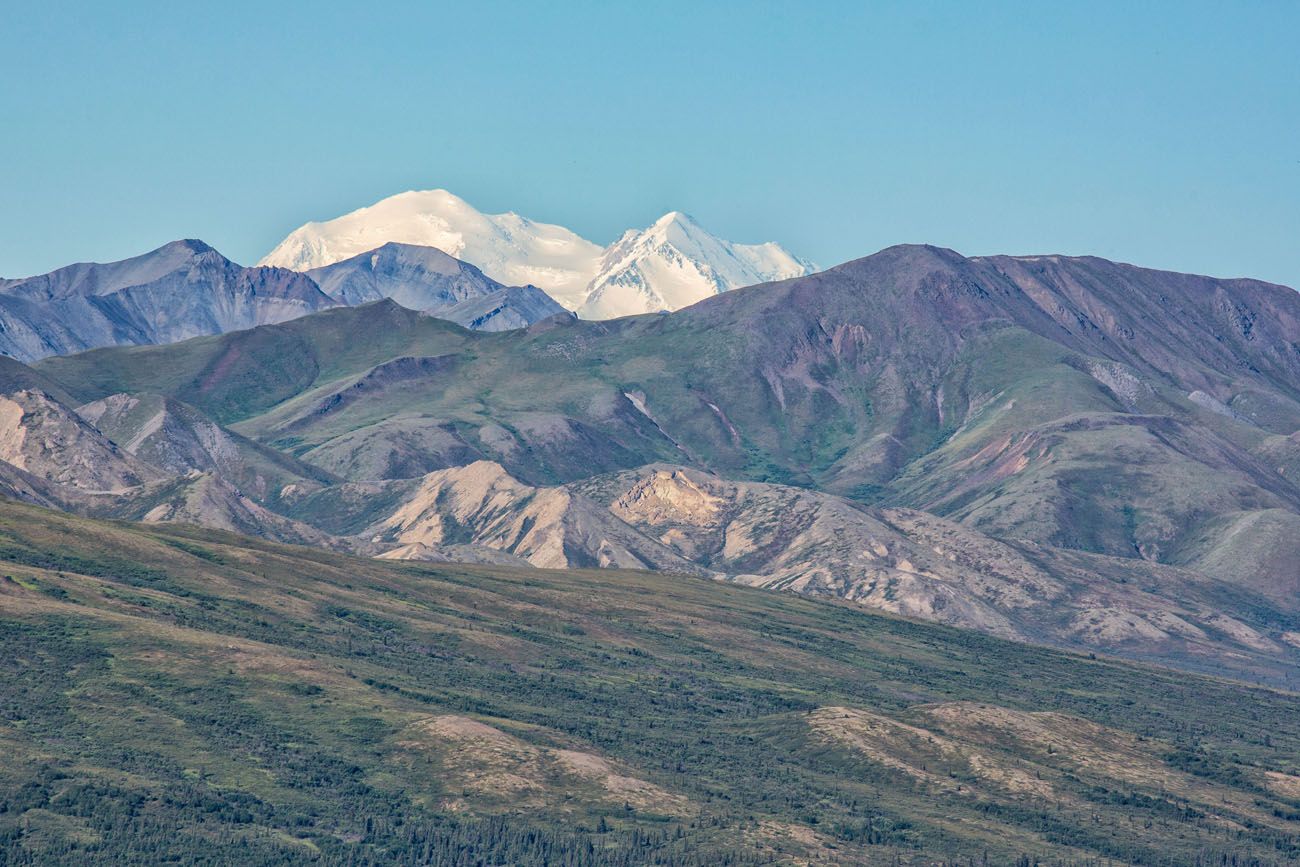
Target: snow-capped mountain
x=675 y=263
x=669 y=265
x=507 y=247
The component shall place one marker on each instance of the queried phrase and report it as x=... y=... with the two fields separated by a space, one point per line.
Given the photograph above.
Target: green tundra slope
x=174 y=693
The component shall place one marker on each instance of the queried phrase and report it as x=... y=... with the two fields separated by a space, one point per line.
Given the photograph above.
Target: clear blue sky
x=1166 y=134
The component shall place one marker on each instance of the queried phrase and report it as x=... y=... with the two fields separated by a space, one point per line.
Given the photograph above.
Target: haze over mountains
x=668 y=265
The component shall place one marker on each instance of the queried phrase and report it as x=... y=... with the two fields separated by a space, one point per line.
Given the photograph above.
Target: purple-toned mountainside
x=428 y=280
x=1057 y=449
x=187 y=289
x=181 y=290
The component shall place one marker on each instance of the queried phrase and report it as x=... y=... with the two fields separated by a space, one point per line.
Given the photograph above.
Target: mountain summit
x=180 y=290
x=671 y=264
x=507 y=247
x=427 y=279
x=675 y=263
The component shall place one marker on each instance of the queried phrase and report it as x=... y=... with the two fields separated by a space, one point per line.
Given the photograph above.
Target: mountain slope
x=668 y=265
x=178 y=439
x=43 y=437
x=506 y=309
x=430 y=281
x=680 y=520
x=180 y=290
x=548 y=527
x=172 y=690
x=1041 y=413
x=235 y=376
x=173 y=463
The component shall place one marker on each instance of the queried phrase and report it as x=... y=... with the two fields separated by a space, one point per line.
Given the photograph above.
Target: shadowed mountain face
x=186 y=289
x=428 y=280
x=180 y=290
x=665 y=266
x=417 y=278
x=1100 y=419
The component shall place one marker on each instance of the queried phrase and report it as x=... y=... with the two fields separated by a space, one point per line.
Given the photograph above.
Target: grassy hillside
x=235 y=375
x=170 y=692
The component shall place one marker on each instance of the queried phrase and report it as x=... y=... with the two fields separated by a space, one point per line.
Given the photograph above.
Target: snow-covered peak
x=674 y=263
x=508 y=248
x=674 y=218
x=670 y=264
x=676 y=227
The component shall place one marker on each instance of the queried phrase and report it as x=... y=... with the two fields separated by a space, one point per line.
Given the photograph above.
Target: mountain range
x=783 y=576
x=669 y=265
x=187 y=289
x=402 y=248
x=180 y=290
x=1015 y=445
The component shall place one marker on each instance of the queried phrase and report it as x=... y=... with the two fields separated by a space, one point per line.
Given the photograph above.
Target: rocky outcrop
x=484 y=506
x=46 y=439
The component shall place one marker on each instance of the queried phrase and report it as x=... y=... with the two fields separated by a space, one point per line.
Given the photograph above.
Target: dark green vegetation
x=178 y=694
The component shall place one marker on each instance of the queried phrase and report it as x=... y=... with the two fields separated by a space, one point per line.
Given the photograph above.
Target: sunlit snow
x=667 y=266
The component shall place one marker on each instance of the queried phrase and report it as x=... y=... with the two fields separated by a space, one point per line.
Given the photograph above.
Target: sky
x=1164 y=134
